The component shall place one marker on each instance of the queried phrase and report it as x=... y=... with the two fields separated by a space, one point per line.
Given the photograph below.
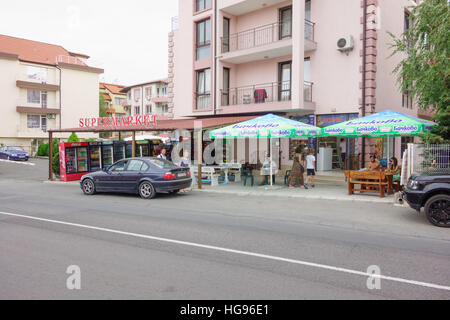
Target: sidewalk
x=326 y=190
x=322 y=191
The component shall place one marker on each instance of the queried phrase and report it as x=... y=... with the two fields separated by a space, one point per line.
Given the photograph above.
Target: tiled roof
x=107 y=97
x=34 y=51
x=113 y=88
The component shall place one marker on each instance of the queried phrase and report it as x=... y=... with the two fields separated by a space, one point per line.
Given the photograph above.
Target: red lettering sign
x=130 y=121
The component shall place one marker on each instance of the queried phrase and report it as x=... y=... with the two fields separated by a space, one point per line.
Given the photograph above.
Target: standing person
x=296 y=175
x=185 y=162
x=265 y=171
x=311 y=168
x=163 y=154
x=343 y=147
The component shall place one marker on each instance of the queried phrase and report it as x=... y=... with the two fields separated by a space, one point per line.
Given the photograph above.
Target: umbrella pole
x=388 y=141
x=271 y=154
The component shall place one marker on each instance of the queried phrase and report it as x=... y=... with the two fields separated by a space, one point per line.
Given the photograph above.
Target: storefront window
x=351 y=144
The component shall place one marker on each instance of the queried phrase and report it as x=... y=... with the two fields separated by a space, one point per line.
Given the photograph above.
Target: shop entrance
x=337 y=153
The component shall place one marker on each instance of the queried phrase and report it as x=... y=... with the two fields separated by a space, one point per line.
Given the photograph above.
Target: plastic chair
x=286 y=176
x=247 y=174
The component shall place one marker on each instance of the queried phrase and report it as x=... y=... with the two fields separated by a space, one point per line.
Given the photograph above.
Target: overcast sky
x=127 y=38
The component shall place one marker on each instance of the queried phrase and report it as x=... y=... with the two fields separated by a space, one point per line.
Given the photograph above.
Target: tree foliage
x=102 y=105
x=425 y=69
x=73 y=138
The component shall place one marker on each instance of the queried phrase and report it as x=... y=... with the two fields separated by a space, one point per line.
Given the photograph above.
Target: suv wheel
x=88 y=187
x=146 y=190
x=437 y=210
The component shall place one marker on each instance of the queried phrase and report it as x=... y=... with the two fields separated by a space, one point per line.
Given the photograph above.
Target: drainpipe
x=215 y=57
x=60 y=104
x=364 y=50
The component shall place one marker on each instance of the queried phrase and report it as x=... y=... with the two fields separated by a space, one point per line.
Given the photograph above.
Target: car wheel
x=146 y=190
x=88 y=187
x=437 y=210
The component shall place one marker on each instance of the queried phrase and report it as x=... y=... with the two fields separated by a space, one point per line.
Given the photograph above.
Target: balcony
x=268 y=41
x=42 y=107
x=257 y=94
x=240 y=7
x=268 y=93
x=47 y=83
x=308 y=91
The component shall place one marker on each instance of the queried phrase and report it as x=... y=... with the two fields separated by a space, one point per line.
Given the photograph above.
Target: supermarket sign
x=130 y=121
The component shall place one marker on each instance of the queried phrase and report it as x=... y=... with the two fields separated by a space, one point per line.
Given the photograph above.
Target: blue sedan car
x=13 y=153
x=143 y=176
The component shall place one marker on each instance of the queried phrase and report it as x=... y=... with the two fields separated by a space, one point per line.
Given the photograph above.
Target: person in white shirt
x=163 y=154
x=343 y=147
x=265 y=171
x=311 y=168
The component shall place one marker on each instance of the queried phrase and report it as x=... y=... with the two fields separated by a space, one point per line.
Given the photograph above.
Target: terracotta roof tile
x=113 y=88
x=35 y=51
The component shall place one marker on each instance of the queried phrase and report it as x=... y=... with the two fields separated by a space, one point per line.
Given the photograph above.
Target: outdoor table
x=361 y=175
x=234 y=168
x=222 y=168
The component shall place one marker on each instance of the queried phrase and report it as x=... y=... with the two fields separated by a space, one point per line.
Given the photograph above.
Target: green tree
x=425 y=69
x=102 y=112
x=43 y=150
x=55 y=159
x=102 y=106
x=73 y=138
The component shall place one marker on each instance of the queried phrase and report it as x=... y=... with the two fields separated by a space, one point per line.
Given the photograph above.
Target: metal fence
x=428 y=158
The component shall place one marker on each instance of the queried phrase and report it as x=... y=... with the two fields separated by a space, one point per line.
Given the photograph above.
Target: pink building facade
x=302 y=59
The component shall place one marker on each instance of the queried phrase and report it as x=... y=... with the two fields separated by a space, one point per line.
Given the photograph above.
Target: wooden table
x=370 y=181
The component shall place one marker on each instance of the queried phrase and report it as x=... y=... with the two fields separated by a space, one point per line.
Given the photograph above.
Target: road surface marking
x=18 y=162
x=246 y=253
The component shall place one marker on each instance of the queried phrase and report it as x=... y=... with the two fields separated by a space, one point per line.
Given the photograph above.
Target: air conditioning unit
x=345 y=44
x=51 y=116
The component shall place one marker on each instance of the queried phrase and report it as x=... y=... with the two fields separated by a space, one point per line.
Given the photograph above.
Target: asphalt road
x=209 y=246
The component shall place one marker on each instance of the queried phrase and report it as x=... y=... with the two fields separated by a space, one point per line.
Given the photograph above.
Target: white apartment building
x=43 y=86
x=148 y=98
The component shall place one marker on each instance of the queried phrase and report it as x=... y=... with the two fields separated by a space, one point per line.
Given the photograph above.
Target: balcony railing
x=263 y=35
x=309 y=30
x=256 y=94
x=308 y=91
x=263 y=93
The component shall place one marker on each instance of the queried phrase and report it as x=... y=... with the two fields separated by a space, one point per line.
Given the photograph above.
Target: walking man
x=311 y=168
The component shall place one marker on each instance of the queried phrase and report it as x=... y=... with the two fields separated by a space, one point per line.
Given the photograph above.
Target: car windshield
x=163 y=164
x=15 y=149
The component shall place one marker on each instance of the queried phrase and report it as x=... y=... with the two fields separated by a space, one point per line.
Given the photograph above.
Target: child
x=311 y=168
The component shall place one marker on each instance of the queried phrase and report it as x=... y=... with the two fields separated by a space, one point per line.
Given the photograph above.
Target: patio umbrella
x=383 y=124
x=268 y=126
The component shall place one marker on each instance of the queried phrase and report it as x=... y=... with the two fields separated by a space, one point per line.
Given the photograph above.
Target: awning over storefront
x=162 y=125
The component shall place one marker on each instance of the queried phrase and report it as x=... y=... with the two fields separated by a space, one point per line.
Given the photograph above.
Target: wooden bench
x=369 y=181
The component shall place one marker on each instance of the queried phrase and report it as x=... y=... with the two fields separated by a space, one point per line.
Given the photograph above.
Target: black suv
x=430 y=191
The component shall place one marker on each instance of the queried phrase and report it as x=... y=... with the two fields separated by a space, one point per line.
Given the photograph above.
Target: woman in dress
x=296 y=176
